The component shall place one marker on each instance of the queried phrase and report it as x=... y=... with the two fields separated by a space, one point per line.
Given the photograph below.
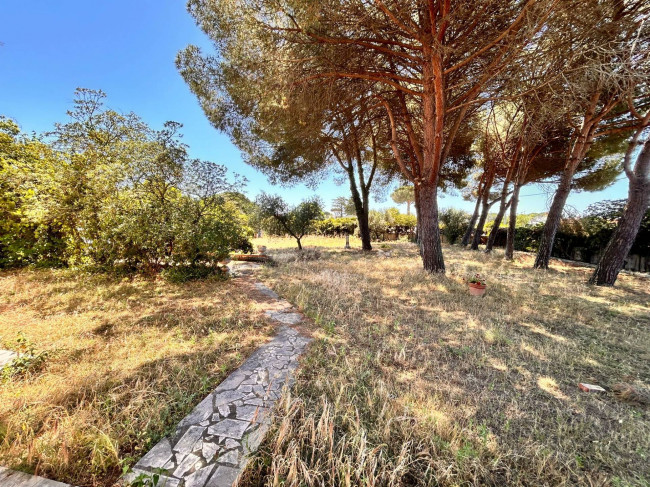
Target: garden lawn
x=412 y=381
x=126 y=360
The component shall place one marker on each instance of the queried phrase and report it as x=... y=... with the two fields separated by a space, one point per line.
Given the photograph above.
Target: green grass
x=126 y=360
x=412 y=381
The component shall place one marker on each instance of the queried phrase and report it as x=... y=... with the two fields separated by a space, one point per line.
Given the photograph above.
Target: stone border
x=11 y=478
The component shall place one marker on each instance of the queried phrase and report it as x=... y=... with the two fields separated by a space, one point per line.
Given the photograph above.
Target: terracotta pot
x=476 y=289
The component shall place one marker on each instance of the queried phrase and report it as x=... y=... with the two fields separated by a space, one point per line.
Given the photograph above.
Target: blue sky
x=127 y=48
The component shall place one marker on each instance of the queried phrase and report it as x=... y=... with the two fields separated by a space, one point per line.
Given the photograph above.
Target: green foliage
x=403 y=194
x=27 y=362
x=106 y=190
x=453 y=224
x=588 y=234
x=390 y=221
x=336 y=226
x=342 y=206
x=280 y=219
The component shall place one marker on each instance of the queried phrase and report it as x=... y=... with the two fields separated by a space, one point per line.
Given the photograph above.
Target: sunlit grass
x=412 y=381
x=128 y=358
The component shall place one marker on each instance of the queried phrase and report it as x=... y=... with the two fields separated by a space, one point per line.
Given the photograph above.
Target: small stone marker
x=590 y=388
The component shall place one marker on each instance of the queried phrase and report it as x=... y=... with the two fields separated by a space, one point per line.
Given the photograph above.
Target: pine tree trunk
x=503 y=206
x=361 y=210
x=553 y=221
x=364 y=229
x=431 y=247
x=623 y=237
x=512 y=224
x=485 y=207
x=416 y=204
x=472 y=222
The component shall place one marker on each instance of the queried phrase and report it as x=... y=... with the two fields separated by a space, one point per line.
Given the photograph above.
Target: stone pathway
x=212 y=445
x=11 y=478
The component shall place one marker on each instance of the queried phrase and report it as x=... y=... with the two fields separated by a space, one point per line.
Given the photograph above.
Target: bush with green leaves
x=104 y=190
x=335 y=227
x=453 y=224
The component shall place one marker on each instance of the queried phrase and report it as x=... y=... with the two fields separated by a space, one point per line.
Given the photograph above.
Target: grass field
x=411 y=381
x=126 y=360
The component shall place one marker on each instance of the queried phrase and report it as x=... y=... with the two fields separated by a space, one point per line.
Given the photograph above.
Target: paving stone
x=223 y=477
x=230 y=428
x=231 y=457
x=189 y=439
x=200 y=413
x=248 y=413
x=253 y=439
x=266 y=291
x=199 y=478
x=227 y=397
x=209 y=450
x=230 y=444
x=224 y=410
x=11 y=478
x=186 y=465
x=158 y=456
x=284 y=317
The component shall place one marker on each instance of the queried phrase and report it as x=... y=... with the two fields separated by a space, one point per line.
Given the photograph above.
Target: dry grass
x=414 y=382
x=127 y=360
x=279 y=243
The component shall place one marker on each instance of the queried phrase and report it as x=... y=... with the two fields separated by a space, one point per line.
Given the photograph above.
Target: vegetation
x=281 y=219
x=103 y=190
x=122 y=361
x=412 y=381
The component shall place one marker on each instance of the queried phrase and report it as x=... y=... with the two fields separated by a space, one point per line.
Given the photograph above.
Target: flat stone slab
x=285 y=317
x=6 y=356
x=11 y=478
x=213 y=443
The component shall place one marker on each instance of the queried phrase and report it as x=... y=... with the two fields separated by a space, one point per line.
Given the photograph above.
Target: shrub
x=454 y=223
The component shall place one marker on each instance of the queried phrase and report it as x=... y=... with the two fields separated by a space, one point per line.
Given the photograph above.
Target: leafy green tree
x=296 y=221
x=340 y=206
x=404 y=194
x=26 y=236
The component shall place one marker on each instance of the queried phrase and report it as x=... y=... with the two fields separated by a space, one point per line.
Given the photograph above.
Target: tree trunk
x=577 y=154
x=299 y=244
x=503 y=206
x=553 y=220
x=431 y=247
x=408 y=207
x=485 y=207
x=619 y=245
x=361 y=209
x=364 y=229
x=472 y=222
x=512 y=224
x=416 y=204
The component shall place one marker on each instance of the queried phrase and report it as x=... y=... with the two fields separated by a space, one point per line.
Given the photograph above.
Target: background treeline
x=483 y=97
x=106 y=191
